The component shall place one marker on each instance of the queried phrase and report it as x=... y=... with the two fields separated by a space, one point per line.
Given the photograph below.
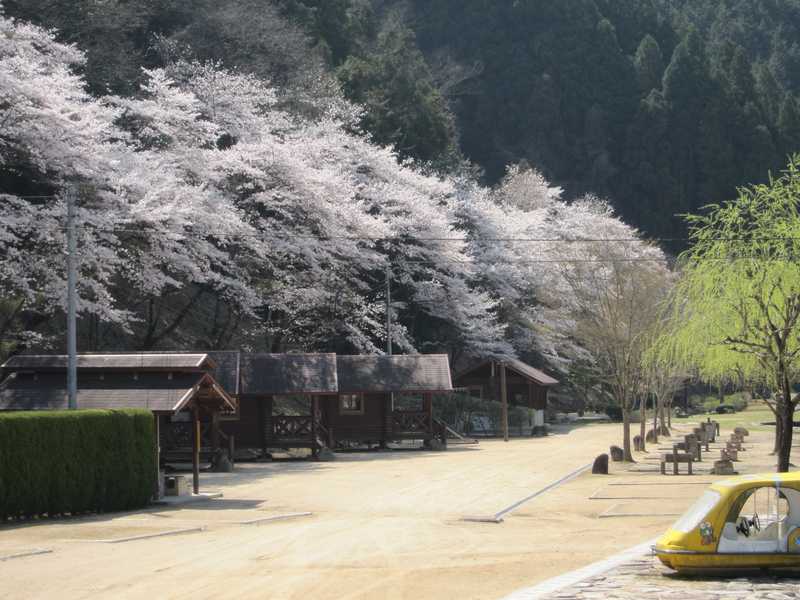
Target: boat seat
x=732 y=542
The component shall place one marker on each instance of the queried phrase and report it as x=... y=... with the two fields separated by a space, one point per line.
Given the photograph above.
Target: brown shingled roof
x=285 y=374
x=397 y=373
x=519 y=367
x=138 y=361
x=530 y=372
x=158 y=392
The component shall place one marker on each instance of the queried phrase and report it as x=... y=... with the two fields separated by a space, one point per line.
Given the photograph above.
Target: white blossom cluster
x=201 y=182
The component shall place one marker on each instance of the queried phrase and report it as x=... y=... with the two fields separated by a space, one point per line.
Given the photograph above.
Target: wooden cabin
x=364 y=410
x=342 y=400
x=174 y=387
x=524 y=386
x=263 y=385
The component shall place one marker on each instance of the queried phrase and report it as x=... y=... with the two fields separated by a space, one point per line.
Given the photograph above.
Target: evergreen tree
x=649 y=64
x=789 y=125
x=686 y=85
x=402 y=106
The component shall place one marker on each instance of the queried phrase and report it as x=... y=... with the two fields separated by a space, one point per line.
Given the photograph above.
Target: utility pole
x=389 y=325
x=389 y=310
x=72 y=345
x=504 y=400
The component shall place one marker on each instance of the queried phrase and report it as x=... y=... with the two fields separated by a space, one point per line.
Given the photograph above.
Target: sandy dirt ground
x=384 y=525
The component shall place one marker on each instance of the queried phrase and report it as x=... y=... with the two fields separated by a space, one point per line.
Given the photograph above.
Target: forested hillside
x=661 y=106
x=250 y=172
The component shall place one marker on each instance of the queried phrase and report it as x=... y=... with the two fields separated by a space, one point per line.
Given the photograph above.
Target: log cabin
x=338 y=401
x=524 y=386
x=174 y=387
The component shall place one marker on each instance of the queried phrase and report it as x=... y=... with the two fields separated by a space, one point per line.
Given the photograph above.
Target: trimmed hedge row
x=58 y=462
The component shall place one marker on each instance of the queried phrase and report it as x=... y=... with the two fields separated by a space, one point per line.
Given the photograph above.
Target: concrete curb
x=499 y=517
x=181 y=500
x=560 y=582
x=274 y=518
x=23 y=554
x=147 y=536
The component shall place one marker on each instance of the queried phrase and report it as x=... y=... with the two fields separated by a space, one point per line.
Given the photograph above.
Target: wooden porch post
x=530 y=406
x=269 y=426
x=427 y=406
x=196 y=450
x=262 y=424
x=215 y=432
x=504 y=400
x=157 y=428
x=314 y=431
x=386 y=419
x=331 y=404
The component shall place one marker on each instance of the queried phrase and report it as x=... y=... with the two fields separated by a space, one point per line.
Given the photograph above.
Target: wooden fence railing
x=292 y=428
x=408 y=422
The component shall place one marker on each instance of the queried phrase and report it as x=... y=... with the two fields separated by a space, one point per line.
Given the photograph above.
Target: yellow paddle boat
x=746 y=522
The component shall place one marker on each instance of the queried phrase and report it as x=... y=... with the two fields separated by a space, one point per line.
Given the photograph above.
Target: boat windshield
x=695 y=514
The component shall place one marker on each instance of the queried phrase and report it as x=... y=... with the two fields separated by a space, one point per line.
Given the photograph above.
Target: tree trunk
x=643 y=419
x=785 y=442
x=656 y=411
x=626 y=433
x=776 y=447
x=785 y=416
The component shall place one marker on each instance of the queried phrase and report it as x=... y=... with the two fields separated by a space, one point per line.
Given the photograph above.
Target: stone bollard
x=436 y=445
x=650 y=438
x=617 y=454
x=220 y=463
x=723 y=467
x=600 y=466
x=710 y=429
x=325 y=455
x=637 y=443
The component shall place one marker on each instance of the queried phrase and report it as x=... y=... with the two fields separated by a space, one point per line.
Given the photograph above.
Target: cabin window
x=351 y=404
x=476 y=391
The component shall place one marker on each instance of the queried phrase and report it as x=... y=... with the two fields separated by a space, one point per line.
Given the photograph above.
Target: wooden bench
x=692 y=448
x=712 y=427
x=691 y=444
x=675 y=458
x=702 y=437
x=729 y=453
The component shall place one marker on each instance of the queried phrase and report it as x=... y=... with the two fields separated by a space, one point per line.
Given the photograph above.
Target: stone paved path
x=647 y=579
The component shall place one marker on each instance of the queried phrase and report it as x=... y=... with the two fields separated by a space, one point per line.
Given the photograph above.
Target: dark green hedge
x=58 y=462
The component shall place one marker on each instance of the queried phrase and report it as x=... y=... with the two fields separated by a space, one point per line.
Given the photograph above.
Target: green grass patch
x=751 y=418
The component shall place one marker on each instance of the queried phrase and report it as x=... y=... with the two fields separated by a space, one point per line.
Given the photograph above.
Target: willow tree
x=739 y=294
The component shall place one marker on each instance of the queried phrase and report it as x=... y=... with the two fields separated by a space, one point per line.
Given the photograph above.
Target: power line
x=476 y=240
